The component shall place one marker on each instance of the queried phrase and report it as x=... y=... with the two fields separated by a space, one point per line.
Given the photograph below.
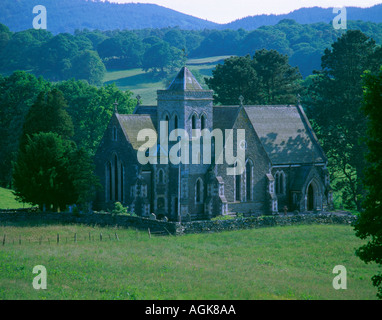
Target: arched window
x=249 y=180
x=108 y=184
x=199 y=191
x=176 y=124
x=122 y=180
x=194 y=119
x=238 y=180
x=115 y=134
x=116 y=185
x=238 y=187
x=280 y=182
x=203 y=122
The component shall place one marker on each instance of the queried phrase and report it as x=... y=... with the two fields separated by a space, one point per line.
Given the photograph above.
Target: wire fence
x=75 y=238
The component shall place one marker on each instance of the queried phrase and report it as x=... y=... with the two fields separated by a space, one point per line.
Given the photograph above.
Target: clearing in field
x=274 y=263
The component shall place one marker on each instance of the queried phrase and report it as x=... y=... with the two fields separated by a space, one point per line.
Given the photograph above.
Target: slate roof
x=132 y=124
x=184 y=81
x=286 y=134
x=225 y=116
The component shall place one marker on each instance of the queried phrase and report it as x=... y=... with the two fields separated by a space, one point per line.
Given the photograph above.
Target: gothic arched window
x=203 y=122
x=194 y=118
x=199 y=191
x=249 y=180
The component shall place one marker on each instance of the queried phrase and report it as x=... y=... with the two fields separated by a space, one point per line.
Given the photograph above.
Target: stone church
x=285 y=166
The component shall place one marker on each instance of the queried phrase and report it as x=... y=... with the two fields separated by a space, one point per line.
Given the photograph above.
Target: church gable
x=285 y=134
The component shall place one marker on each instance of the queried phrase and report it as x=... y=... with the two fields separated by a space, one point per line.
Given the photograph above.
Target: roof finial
x=115 y=106
x=241 y=99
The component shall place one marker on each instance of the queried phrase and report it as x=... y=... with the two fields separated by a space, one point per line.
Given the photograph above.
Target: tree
x=235 y=78
x=334 y=103
x=369 y=223
x=88 y=66
x=48 y=114
x=18 y=92
x=91 y=108
x=279 y=82
x=266 y=79
x=51 y=172
x=161 y=56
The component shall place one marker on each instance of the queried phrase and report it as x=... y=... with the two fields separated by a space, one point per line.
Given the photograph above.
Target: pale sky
x=224 y=11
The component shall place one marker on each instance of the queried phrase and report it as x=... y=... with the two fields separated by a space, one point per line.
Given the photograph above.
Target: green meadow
x=273 y=263
x=8 y=201
x=146 y=85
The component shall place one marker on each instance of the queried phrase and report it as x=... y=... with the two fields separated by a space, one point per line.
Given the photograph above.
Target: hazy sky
x=223 y=11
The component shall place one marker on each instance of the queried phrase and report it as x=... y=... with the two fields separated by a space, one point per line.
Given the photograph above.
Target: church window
x=249 y=180
x=115 y=134
x=280 y=182
x=176 y=122
x=194 y=122
x=116 y=185
x=122 y=181
x=199 y=191
x=203 y=122
x=238 y=187
x=109 y=189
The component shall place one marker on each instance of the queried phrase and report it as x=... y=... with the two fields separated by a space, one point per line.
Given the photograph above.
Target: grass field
x=8 y=201
x=273 y=263
x=144 y=84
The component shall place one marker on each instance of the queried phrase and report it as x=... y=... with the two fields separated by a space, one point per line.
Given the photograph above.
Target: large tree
x=48 y=114
x=50 y=171
x=279 y=82
x=235 y=78
x=333 y=103
x=369 y=223
x=18 y=92
x=266 y=79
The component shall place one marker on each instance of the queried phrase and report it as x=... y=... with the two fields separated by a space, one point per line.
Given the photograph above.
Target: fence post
x=149 y=233
x=20 y=240
x=116 y=236
x=100 y=237
x=58 y=238
x=75 y=237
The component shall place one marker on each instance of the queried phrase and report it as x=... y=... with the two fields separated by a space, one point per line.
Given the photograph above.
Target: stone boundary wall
x=263 y=222
x=15 y=217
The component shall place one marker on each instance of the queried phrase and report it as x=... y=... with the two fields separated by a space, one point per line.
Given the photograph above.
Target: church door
x=310 y=198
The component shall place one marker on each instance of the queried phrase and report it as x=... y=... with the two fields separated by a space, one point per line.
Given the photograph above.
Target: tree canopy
x=369 y=223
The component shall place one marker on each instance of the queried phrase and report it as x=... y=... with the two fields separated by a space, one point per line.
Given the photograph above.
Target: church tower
x=186 y=105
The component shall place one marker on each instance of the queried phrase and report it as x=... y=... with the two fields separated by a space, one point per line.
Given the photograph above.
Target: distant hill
x=308 y=16
x=69 y=15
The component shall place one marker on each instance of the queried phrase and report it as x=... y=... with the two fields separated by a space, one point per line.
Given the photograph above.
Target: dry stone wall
x=15 y=217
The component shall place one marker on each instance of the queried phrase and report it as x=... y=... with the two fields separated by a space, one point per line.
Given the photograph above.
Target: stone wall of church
x=261 y=164
x=126 y=156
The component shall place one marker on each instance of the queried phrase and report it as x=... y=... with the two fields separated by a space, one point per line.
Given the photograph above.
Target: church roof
x=225 y=116
x=184 y=81
x=286 y=134
x=132 y=124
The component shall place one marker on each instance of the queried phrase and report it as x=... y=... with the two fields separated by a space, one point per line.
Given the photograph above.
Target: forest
x=88 y=54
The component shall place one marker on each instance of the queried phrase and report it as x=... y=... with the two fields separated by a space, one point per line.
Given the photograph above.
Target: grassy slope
x=274 y=263
x=146 y=86
x=8 y=201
